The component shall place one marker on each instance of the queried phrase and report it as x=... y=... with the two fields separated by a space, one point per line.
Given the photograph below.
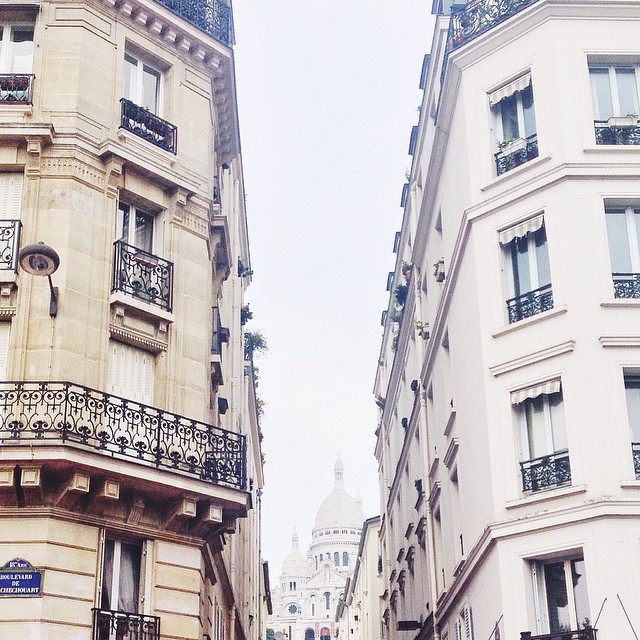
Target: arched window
x=336 y=558
x=345 y=559
x=309 y=634
x=325 y=634
x=320 y=557
x=327 y=599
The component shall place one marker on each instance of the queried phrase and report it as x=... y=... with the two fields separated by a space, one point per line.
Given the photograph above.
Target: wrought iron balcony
x=530 y=304
x=635 y=449
x=142 y=275
x=588 y=633
x=118 y=625
x=148 y=126
x=9 y=243
x=16 y=88
x=607 y=133
x=546 y=472
x=478 y=16
x=49 y=413
x=507 y=161
x=211 y=16
x=626 y=285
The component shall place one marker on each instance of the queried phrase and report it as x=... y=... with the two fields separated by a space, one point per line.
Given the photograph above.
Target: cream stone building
x=311 y=587
x=508 y=377
x=130 y=463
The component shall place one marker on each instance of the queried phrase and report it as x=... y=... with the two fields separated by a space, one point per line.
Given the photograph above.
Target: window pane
x=632 y=391
x=150 y=87
x=21 y=50
x=130 y=75
x=520 y=266
x=122 y=223
x=601 y=91
x=129 y=585
x=542 y=257
x=509 y=116
x=107 y=575
x=579 y=579
x=144 y=231
x=557 y=600
x=558 y=425
x=528 y=111
x=627 y=91
x=536 y=432
x=618 y=241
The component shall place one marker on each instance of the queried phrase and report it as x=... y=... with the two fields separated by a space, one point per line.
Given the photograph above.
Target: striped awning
x=521 y=230
x=509 y=89
x=544 y=388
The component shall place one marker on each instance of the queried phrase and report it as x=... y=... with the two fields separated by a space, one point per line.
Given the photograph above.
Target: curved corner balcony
x=67 y=414
x=211 y=16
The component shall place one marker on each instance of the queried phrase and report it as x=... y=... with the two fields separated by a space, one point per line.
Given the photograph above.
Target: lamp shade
x=38 y=259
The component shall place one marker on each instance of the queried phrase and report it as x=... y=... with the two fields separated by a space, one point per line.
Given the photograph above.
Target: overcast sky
x=328 y=92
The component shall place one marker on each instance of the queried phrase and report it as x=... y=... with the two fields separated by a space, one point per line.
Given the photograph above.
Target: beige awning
x=548 y=387
x=509 y=89
x=521 y=230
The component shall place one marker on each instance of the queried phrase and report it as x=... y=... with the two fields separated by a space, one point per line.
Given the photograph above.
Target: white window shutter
x=130 y=373
x=468 y=627
x=4 y=348
x=10 y=196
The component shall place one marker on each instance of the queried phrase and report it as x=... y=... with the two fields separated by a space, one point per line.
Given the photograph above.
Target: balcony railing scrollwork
x=47 y=413
x=616 y=135
x=148 y=126
x=211 y=16
x=16 y=88
x=142 y=275
x=588 y=633
x=546 y=472
x=507 y=161
x=530 y=303
x=626 y=285
x=9 y=243
x=118 y=625
x=635 y=449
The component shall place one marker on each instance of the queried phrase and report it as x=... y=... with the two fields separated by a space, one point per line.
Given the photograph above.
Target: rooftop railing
x=50 y=413
x=211 y=16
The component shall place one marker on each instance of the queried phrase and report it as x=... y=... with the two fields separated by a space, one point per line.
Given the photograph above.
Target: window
x=134 y=227
x=632 y=392
x=514 y=123
x=130 y=372
x=5 y=328
x=526 y=259
x=345 y=559
x=16 y=49
x=327 y=599
x=121 y=576
x=10 y=206
x=462 y=627
x=336 y=558
x=543 y=444
x=560 y=595
x=142 y=83
x=614 y=90
x=623 y=232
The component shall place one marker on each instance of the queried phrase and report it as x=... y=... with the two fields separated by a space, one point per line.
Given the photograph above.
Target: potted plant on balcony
x=438 y=270
x=623 y=122
x=513 y=145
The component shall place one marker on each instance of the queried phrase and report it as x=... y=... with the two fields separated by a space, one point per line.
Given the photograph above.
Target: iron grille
x=148 y=126
x=507 y=161
x=9 y=243
x=546 y=472
x=606 y=134
x=626 y=285
x=119 y=625
x=16 y=88
x=211 y=16
x=530 y=304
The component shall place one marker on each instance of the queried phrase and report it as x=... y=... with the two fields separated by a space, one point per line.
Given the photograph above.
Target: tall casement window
x=560 y=597
x=632 y=392
x=121 y=573
x=542 y=436
x=16 y=62
x=616 y=103
x=528 y=275
x=142 y=83
x=10 y=226
x=5 y=329
x=623 y=232
x=514 y=123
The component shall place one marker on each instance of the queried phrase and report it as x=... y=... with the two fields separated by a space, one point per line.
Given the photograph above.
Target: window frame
x=7 y=54
x=135 y=92
x=132 y=211
x=614 y=94
x=106 y=601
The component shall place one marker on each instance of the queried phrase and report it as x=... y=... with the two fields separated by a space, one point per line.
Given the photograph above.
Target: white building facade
x=311 y=586
x=508 y=374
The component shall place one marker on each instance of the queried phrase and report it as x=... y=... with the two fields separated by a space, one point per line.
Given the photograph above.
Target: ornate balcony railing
x=507 y=161
x=148 y=126
x=9 y=243
x=589 y=633
x=16 y=88
x=118 y=625
x=626 y=285
x=142 y=275
x=610 y=134
x=546 y=472
x=211 y=16
x=530 y=304
x=47 y=413
x=478 y=16
x=635 y=449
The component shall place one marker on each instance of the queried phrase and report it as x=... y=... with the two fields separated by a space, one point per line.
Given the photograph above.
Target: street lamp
x=41 y=260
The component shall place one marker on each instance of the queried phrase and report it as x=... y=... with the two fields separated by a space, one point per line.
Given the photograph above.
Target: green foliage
x=400 y=294
x=254 y=343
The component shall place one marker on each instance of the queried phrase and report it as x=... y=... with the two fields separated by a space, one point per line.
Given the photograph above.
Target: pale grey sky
x=328 y=92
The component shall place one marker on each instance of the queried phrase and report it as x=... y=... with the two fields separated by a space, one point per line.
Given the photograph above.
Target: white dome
x=295 y=564
x=339 y=507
